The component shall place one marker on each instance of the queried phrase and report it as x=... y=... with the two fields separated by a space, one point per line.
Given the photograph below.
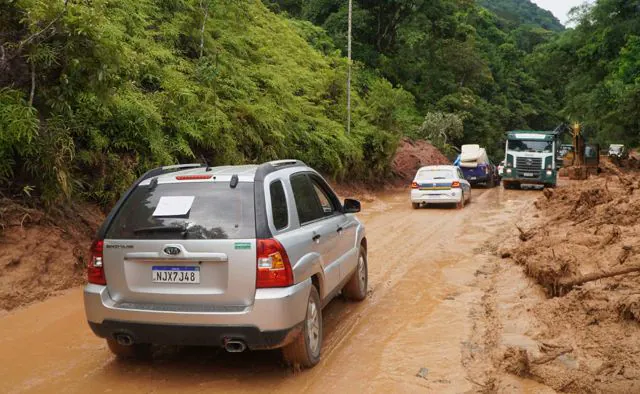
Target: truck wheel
x=137 y=351
x=356 y=288
x=304 y=351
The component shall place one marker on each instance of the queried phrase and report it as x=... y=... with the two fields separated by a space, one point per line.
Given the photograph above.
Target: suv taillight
x=95 y=269
x=273 y=266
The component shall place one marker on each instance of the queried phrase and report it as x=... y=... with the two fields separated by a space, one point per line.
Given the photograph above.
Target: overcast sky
x=559 y=8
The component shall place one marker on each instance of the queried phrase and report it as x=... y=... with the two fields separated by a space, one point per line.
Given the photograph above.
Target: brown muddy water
x=424 y=270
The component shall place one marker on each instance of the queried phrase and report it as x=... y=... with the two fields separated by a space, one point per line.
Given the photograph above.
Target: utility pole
x=349 y=72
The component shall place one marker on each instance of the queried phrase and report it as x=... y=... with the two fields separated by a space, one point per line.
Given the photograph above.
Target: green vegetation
x=453 y=56
x=519 y=12
x=94 y=93
x=594 y=71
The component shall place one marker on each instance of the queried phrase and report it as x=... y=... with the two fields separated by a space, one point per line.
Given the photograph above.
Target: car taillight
x=455 y=184
x=95 y=269
x=414 y=185
x=486 y=170
x=273 y=266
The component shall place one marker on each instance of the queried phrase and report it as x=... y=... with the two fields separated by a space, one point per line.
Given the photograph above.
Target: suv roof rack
x=271 y=166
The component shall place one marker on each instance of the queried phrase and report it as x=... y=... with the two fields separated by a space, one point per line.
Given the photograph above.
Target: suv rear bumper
x=274 y=315
x=163 y=334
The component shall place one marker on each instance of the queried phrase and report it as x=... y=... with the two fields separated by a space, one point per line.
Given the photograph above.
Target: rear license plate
x=529 y=174
x=473 y=178
x=175 y=274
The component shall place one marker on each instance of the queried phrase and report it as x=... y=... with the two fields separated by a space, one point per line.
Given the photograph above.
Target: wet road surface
x=422 y=265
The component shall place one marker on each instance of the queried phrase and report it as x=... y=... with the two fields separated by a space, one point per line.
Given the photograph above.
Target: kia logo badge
x=172 y=250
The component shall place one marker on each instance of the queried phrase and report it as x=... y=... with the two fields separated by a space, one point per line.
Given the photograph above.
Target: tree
x=441 y=129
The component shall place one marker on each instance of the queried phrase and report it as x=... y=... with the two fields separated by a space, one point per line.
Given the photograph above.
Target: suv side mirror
x=351 y=206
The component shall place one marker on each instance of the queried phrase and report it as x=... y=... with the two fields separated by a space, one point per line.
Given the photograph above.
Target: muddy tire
x=415 y=205
x=356 y=288
x=304 y=351
x=460 y=205
x=137 y=351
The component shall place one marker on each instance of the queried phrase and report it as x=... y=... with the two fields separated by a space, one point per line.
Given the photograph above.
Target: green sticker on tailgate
x=243 y=245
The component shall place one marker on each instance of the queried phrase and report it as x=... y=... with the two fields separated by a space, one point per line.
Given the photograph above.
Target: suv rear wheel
x=137 y=351
x=356 y=288
x=304 y=351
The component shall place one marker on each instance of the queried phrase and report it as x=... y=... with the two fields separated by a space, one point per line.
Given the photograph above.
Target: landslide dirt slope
x=42 y=254
x=411 y=155
x=562 y=317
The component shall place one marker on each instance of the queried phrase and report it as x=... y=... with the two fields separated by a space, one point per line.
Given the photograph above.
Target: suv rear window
x=217 y=211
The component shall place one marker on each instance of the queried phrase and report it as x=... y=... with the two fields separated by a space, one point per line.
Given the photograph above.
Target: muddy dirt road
x=424 y=270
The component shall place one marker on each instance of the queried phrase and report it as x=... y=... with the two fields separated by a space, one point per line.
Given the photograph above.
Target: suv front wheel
x=304 y=351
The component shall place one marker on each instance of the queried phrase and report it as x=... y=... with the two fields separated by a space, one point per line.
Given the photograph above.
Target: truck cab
x=530 y=158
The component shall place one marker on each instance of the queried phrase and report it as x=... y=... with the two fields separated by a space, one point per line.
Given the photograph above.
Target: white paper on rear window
x=173 y=206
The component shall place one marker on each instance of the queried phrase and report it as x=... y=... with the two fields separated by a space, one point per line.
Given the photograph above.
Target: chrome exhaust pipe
x=235 y=346
x=124 y=339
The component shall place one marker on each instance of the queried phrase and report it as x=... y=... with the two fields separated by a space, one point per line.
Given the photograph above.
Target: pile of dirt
x=412 y=155
x=584 y=251
x=40 y=253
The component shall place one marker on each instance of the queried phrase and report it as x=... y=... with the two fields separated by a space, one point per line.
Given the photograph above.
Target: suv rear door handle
x=316 y=238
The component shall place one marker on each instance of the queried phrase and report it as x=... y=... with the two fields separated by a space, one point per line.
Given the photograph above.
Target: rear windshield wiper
x=160 y=229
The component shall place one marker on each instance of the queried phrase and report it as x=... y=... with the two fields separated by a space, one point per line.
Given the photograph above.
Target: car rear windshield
x=435 y=174
x=201 y=210
x=531 y=146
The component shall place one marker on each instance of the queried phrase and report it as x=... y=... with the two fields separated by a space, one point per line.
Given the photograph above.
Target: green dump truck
x=530 y=158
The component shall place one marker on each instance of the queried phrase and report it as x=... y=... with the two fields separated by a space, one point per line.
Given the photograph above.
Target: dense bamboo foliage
x=93 y=93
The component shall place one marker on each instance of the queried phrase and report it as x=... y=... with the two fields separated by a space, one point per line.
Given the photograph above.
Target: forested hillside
x=518 y=12
x=94 y=93
x=468 y=71
x=594 y=70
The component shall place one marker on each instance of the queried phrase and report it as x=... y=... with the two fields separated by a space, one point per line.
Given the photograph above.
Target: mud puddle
x=426 y=281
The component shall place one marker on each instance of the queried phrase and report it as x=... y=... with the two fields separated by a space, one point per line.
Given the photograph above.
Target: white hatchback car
x=440 y=184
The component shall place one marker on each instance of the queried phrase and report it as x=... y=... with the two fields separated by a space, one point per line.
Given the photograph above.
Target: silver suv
x=239 y=257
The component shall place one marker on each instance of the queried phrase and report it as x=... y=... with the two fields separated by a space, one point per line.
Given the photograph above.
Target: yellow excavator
x=584 y=159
